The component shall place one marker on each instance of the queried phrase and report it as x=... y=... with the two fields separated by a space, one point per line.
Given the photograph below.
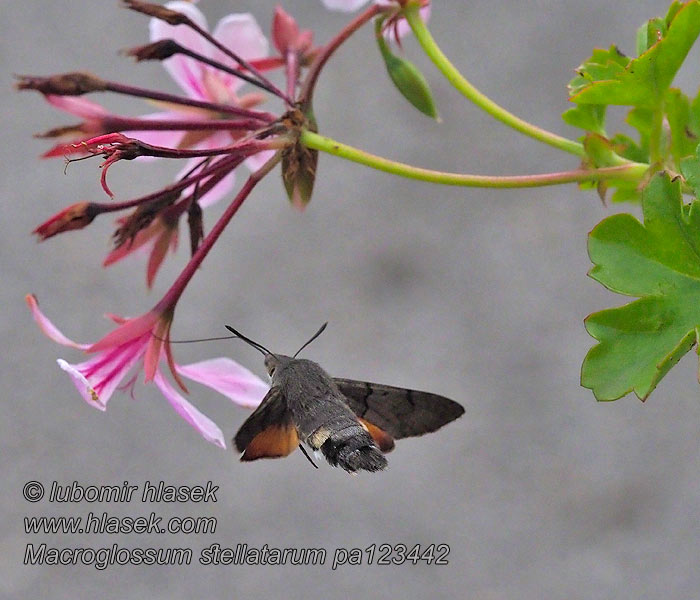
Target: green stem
x=628 y=172
x=425 y=39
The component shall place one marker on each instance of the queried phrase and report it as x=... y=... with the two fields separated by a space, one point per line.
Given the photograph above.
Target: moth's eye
x=271 y=370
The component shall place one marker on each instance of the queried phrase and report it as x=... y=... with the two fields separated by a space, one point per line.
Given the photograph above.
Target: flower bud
x=67 y=84
x=168 y=15
x=286 y=35
x=75 y=216
x=159 y=50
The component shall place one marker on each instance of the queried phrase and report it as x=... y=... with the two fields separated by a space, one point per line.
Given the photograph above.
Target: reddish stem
x=129 y=90
x=258 y=81
x=114 y=123
x=328 y=50
x=226 y=163
x=292 y=72
x=173 y=294
x=243 y=147
x=241 y=61
x=181 y=206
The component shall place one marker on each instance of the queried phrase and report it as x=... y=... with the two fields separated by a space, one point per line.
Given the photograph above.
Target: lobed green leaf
x=644 y=80
x=658 y=262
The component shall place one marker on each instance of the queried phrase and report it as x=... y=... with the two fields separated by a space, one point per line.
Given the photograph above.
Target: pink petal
x=47 y=327
x=229 y=378
x=160 y=249
x=139 y=245
x=344 y=5
x=84 y=387
x=130 y=332
x=186 y=71
x=97 y=378
x=204 y=425
x=119 y=320
x=220 y=87
x=241 y=34
x=80 y=107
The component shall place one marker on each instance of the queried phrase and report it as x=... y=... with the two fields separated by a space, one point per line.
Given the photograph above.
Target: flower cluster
x=215 y=126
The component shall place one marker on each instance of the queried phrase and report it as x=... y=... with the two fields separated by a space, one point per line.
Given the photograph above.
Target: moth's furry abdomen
x=356 y=453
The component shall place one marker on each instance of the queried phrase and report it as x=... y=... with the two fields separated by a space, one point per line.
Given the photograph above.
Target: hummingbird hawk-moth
x=352 y=423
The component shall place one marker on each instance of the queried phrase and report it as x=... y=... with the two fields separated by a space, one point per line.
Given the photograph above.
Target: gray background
x=477 y=295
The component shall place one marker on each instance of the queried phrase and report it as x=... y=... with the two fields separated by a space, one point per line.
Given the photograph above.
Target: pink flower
x=100 y=130
x=401 y=28
x=238 y=32
x=142 y=342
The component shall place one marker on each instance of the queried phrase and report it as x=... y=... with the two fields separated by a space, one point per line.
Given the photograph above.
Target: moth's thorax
x=312 y=397
x=297 y=373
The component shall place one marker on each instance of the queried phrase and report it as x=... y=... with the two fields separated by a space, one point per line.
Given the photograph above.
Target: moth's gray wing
x=268 y=431
x=398 y=411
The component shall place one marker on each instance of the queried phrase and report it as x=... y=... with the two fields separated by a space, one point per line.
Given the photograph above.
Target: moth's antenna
x=307 y=456
x=313 y=337
x=259 y=347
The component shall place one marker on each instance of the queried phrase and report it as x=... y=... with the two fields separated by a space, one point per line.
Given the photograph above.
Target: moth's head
x=274 y=361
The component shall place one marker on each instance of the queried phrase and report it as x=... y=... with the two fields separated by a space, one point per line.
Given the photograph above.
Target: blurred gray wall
x=479 y=295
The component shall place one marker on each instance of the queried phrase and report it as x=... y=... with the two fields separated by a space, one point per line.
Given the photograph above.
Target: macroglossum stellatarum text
x=351 y=422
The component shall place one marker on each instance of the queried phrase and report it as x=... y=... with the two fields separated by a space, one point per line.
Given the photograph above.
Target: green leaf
x=590 y=117
x=603 y=64
x=683 y=139
x=649 y=33
x=626 y=193
x=644 y=80
x=658 y=262
x=406 y=77
x=690 y=167
x=627 y=148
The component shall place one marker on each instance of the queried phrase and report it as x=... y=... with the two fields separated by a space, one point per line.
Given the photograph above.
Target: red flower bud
x=284 y=30
x=75 y=216
x=286 y=35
